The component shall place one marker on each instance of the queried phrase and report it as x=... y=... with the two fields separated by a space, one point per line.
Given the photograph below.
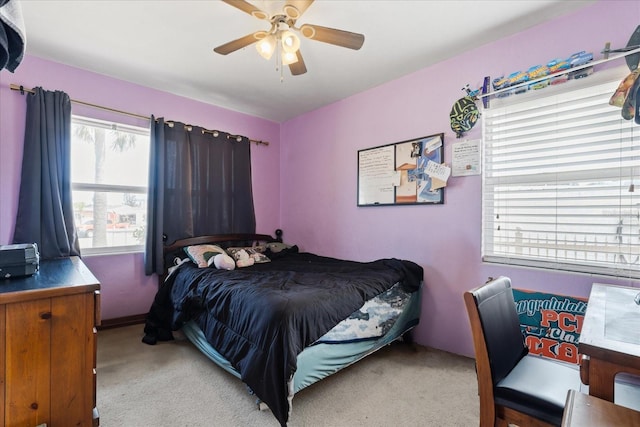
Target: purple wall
x=319 y=168
x=305 y=181
x=125 y=289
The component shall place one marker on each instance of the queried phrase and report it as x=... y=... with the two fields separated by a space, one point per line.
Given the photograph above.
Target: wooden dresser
x=48 y=346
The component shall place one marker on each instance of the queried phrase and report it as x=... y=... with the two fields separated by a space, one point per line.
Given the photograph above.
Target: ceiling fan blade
x=299 y=6
x=234 y=45
x=298 y=68
x=248 y=8
x=333 y=36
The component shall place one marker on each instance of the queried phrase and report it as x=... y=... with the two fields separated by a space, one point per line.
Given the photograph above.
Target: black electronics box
x=17 y=260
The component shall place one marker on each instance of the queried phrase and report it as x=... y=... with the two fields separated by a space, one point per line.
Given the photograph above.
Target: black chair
x=514 y=387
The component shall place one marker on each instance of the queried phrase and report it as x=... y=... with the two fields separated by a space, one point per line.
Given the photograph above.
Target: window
x=109 y=173
x=559 y=171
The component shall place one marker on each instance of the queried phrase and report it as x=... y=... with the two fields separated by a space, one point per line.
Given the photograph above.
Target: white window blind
x=559 y=168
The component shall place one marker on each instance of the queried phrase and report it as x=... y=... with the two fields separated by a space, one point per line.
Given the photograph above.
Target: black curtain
x=45 y=209
x=199 y=184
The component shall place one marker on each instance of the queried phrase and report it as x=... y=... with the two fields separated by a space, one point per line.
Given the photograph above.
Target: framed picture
x=398 y=174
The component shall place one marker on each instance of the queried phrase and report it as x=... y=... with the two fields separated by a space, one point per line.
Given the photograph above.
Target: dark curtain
x=199 y=184
x=45 y=209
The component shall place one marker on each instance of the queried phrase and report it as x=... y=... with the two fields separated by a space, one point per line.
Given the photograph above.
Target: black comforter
x=261 y=317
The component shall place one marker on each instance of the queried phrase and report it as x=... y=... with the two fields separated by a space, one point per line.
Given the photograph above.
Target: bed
x=282 y=324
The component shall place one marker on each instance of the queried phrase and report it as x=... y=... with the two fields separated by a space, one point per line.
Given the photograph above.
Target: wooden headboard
x=170 y=251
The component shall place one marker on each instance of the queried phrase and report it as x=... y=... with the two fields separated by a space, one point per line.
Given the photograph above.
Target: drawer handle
x=34 y=405
x=46 y=315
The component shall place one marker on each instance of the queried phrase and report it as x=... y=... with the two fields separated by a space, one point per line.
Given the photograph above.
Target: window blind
x=559 y=172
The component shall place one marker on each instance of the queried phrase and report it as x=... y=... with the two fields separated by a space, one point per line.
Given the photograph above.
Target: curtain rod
x=238 y=138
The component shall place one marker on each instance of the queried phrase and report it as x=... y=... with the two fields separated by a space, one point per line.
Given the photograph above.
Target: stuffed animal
x=276 y=247
x=222 y=262
x=243 y=259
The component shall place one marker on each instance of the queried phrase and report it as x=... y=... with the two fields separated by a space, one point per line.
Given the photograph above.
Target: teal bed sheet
x=320 y=360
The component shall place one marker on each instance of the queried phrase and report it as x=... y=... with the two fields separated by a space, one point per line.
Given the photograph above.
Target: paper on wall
x=465 y=158
x=436 y=184
x=433 y=144
x=438 y=171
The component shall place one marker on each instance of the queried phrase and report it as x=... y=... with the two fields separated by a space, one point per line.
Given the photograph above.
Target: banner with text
x=551 y=323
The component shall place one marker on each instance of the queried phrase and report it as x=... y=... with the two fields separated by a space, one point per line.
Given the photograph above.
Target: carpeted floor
x=173 y=384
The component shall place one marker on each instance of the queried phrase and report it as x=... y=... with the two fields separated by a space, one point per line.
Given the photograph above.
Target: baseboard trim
x=118 y=322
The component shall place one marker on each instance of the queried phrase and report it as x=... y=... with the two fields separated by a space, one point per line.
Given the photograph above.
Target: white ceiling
x=168 y=45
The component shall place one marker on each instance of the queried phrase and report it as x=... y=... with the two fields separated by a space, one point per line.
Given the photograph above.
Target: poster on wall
x=408 y=172
x=465 y=158
x=551 y=323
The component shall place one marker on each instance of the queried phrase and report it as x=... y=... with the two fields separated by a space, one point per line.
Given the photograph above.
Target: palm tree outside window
x=109 y=171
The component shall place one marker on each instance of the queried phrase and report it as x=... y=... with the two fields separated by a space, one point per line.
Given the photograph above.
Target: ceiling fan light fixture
x=266 y=46
x=289 y=58
x=290 y=42
x=281 y=37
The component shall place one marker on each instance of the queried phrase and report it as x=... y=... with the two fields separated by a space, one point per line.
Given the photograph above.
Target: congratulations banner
x=551 y=323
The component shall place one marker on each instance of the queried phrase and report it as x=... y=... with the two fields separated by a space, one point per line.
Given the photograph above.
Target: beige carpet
x=173 y=384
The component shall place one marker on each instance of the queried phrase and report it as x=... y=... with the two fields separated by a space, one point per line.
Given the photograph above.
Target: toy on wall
x=623 y=97
x=464 y=113
x=542 y=76
x=628 y=91
x=634 y=43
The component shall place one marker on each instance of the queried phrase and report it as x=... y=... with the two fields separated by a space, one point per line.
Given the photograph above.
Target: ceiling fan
x=281 y=37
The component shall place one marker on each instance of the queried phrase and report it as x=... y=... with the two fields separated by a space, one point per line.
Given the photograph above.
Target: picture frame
x=397 y=174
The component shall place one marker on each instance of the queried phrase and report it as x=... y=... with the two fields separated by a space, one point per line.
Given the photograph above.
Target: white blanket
x=13 y=40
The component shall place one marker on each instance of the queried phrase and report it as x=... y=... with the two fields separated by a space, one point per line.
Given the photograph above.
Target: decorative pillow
x=254 y=252
x=222 y=262
x=200 y=254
